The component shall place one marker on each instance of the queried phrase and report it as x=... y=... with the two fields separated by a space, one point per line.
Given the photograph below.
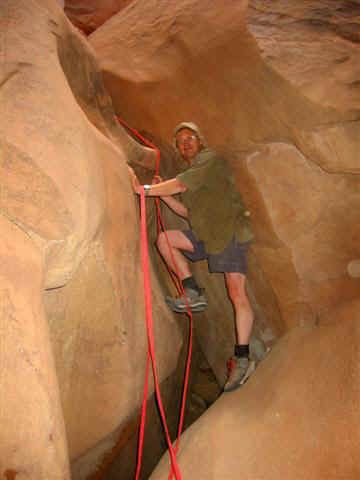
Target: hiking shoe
x=195 y=301
x=240 y=368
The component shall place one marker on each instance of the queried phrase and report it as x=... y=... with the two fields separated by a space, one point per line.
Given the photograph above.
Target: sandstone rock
x=306 y=208
x=296 y=418
x=289 y=126
x=314 y=44
x=353 y=268
x=70 y=250
x=160 y=41
x=33 y=441
x=89 y=15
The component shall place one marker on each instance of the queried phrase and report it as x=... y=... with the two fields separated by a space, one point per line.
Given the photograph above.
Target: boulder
x=296 y=417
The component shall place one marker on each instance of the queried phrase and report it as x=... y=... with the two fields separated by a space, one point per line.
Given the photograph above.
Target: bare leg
x=177 y=241
x=244 y=316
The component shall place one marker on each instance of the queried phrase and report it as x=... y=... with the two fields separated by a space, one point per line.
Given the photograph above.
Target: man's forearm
x=161 y=189
x=164 y=189
x=176 y=206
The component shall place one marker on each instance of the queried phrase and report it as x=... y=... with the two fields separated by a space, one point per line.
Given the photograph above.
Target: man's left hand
x=156 y=179
x=134 y=180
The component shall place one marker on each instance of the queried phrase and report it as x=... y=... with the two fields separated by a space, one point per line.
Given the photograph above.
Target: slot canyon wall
x=73 y=340
x=275 y=88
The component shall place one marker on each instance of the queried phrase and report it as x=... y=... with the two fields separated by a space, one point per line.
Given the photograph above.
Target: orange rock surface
x=73 y=341
x=293 y=417
x=275 y=88
x=88 y=15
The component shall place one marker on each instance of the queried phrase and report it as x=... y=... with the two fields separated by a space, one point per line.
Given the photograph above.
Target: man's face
x=188 y=144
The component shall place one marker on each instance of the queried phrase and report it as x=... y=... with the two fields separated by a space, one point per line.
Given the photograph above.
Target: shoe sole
x=192 y=310
x=199 y=307
x=249 y=371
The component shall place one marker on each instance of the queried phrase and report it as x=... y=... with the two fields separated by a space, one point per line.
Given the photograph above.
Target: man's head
x=188 y=140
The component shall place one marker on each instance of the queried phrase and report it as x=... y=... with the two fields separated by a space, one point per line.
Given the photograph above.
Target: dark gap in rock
x=349 y=31
x=203 y=391
x=349 y=9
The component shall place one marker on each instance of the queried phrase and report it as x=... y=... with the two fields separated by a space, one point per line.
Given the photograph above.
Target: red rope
x=144 y=140
x=143 y=417
x=148 y=308
x=160 y=225
x=150 y=334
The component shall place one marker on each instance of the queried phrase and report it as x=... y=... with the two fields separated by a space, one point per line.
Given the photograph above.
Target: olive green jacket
x=216 y=210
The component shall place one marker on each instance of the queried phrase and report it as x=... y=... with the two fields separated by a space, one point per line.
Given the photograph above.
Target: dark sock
x=190 y=282
x=241 y=350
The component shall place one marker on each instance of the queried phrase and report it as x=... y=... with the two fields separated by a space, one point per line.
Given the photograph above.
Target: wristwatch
x=147 y=189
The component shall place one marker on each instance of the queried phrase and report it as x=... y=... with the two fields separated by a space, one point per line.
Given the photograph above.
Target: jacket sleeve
x=194 y=178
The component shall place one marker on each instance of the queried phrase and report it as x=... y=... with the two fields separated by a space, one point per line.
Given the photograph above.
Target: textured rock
x=88 y=15
x=146 y=52
x=314 y=44
x=293 y=417
x=69 y=249
x=32 y=443
x=306 y=208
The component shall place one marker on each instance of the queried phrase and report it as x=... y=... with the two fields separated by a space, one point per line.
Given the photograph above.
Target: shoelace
x=230 y=364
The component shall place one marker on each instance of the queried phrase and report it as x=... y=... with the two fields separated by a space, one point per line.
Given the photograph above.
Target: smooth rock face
x=306 y=208
x=33 y=442
x=296 y=418
x=69 y=249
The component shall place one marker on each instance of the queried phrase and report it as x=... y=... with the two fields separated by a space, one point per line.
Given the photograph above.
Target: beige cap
x=191 y=126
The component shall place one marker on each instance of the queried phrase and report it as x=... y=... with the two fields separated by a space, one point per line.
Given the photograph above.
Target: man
x=220 y=233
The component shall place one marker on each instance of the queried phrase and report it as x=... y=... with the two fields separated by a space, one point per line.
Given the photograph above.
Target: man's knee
x=238 y=296
x=161 y=241
x=167 y=238
x=174 y=239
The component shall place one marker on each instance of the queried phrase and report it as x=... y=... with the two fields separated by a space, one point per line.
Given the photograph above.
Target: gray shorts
x=231 y=259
